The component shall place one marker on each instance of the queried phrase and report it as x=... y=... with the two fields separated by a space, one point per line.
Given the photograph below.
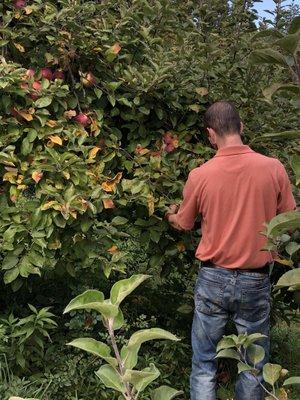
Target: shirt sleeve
x=285 y=201
x=188 y=210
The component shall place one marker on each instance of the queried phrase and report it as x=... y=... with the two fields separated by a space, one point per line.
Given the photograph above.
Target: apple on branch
x=59 y=74
x=82 y=119
x=47 y=73
x=20 y=3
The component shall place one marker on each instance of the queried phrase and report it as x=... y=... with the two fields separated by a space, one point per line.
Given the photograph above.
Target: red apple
x=47 y=73
x=37 y=85
x=82 y=119
x=88 y=80
x=19 y=3
x=59 y=74
x=170 y=142
x=168 y=138
x=30 y=72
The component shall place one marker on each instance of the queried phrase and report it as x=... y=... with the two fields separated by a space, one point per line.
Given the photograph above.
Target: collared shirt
x=236 y=193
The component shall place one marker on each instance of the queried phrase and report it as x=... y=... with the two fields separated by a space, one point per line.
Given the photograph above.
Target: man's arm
x=183 y=218
x=286 y=201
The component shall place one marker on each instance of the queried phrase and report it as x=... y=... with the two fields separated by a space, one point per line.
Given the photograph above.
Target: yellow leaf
x=13 y=193
x=93 y=152
x=94 y=125
x=19 y=47
x=28 y=10
x=54 y=245
x=73 y=213
x=282 y=394
x=140 y=150
x=150 y=203
x=66 y=174
x=110 y=185
x=50 y=204
x=13 y=197
x=26 y=115
x=180 y=247
x=113 y=249
x=37 y=176
x=108 y=203
x=21 y=187
x=51 y=123
x=116 y=48
x=69 y=114
x=55 y=139
x=10 y=176
x=283 y=261
x=84 y=204
x=202 y=91
x=20 y=179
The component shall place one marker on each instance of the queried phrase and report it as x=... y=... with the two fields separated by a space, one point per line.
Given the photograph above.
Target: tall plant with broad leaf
x=244 y=349
x=119 y=372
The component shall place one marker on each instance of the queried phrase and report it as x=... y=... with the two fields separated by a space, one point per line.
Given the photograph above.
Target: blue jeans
x=221 y=294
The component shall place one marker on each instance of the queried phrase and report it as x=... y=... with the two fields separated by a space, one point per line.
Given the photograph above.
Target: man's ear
x=211 y=135
x=242 y=129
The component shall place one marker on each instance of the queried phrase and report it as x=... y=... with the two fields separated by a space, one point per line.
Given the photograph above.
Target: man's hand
x=171 y=216
x=172 y=210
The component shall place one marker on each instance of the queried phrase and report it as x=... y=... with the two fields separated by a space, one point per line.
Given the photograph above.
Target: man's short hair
x=223 y=118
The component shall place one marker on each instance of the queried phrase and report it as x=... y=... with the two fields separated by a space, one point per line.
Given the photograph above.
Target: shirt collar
x=233 y=150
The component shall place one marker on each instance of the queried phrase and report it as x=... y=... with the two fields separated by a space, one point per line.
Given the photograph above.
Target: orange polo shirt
x=235 y=193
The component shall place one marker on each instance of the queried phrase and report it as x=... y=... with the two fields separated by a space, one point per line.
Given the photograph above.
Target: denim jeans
x=221 y=294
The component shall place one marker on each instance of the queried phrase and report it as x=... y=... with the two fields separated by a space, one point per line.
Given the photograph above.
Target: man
x=235 y=193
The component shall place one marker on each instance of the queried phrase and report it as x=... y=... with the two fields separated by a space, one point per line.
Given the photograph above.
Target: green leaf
x=111 y=379
x=228 y=353
x=94 y=347
x=255 y=353
x=43 y=102
x=282 y=223
x=290 y=279
x=185 y=309
x=271 y=373
x=267 y=56
x=11 y=275
x=277 y=87
x=9 y=262
x=129 y=353
x=253 y=338
x=119 y=320
x=123 y=288
x=141 y=379
x=295 y=164
x=293 y=380
x=242 y=367
x=289 y=43
x=283 y=135
x=119 y=221
x=165 y=393
x=292 y=247
x=295 y=25
x=93 y=300
x=226 y=343
x=267 y=33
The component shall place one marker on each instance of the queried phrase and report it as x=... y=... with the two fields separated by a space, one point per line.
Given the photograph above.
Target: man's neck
x=229 y=140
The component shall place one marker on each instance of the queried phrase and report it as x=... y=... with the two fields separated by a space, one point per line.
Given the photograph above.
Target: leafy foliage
x=118 y=373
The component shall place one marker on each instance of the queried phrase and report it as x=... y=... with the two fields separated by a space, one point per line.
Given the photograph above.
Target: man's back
x=236 y=192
